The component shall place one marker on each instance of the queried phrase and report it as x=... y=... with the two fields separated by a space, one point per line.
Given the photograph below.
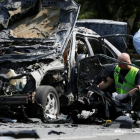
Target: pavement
x=40 y=131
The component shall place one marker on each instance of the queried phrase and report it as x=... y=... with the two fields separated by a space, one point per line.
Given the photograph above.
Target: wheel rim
x=51 y=104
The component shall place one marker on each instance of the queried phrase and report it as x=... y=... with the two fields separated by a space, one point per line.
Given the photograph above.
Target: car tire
x=47 y=98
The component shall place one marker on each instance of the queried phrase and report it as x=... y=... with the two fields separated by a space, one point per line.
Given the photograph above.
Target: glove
x=120 y=96
x=113 y=95
x=89 y=94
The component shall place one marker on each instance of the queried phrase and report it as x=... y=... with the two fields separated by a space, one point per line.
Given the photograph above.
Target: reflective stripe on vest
x=124 y=88
x=130 y=78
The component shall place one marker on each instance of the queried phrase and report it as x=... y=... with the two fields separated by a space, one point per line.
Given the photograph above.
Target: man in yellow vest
x=132 y=78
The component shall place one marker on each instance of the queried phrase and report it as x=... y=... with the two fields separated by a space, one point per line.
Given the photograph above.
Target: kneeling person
x=131 y=82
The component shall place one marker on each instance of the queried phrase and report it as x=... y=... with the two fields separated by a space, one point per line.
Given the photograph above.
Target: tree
x=108 y=9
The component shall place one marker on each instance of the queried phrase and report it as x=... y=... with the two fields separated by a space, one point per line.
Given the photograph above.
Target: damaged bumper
x=14 y=99
x=17 y=99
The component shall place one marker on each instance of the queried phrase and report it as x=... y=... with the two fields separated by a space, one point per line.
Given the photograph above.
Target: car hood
x=35 y=29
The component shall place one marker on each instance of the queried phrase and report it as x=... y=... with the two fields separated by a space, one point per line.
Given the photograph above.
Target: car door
x=93 y=46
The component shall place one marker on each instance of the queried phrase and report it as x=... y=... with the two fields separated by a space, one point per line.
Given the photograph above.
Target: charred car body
x=33 y=37
x=101 y=106
x=40 y=52
x=88 y=68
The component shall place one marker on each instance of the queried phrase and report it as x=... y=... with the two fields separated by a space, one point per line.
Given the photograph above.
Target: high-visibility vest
x=130 y=80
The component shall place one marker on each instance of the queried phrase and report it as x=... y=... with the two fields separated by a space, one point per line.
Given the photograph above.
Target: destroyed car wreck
x=102 y=106
x=38 y=54
x=40 y=61
x=33 y=36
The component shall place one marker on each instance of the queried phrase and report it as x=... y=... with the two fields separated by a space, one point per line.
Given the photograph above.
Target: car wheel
x=48 y=98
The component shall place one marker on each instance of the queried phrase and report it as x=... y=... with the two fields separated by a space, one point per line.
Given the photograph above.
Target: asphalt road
x=40 y=131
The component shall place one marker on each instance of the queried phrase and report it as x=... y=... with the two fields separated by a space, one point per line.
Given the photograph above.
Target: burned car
x=38 y=55
x=96 y=44
x=101 y=104
x=33 y=36
x=89 y=67
x=40 y=49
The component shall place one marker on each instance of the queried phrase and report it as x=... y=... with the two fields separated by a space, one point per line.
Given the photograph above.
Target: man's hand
x=120 y=97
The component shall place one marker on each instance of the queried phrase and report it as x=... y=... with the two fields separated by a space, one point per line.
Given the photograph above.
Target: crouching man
x=131 y=82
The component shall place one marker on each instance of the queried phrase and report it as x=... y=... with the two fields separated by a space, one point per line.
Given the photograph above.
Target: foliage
x=109 y=9
x=124 y=10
